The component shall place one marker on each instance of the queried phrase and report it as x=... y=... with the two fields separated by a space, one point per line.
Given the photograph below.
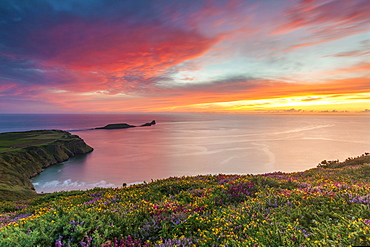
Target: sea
x=192 y=144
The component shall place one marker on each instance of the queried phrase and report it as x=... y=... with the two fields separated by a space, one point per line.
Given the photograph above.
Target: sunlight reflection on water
x=209 y=144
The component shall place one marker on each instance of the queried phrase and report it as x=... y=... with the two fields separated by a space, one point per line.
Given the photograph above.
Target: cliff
x=25 y=154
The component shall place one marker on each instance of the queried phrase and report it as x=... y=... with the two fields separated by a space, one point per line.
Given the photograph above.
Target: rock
x=149 y=124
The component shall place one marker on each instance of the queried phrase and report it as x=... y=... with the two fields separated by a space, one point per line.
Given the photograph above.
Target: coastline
x=25 y=154
x=320 y=206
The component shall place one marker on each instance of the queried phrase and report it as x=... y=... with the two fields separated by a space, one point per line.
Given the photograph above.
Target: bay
x=192 y=144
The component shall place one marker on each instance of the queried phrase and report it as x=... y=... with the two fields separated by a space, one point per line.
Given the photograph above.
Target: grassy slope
x=13 y=140
x=25 y=154
x=323 y=206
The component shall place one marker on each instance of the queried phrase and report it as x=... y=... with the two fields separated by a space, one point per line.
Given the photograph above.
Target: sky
x=226 y=56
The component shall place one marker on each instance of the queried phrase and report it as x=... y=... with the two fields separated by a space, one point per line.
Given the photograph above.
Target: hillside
x=24 y=154
x=322 y=206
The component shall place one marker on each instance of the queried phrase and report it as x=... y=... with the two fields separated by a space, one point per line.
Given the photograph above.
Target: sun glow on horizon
x=309 y=103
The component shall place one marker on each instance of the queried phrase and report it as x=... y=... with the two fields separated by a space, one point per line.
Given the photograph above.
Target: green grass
x=365 y=158
x=9 y=141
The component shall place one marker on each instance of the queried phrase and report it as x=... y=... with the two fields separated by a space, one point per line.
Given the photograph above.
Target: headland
x=24 y=155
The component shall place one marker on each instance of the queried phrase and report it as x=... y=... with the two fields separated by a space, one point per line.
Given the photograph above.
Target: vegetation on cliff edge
x=24 y=155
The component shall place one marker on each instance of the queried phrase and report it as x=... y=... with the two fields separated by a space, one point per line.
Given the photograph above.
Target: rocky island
x=23 y=155
x=125 y=125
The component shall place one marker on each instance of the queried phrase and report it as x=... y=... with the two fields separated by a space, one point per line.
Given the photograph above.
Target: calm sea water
x=191 y=144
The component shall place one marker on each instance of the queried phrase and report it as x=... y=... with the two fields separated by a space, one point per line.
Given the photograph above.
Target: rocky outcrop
x=19 y=165
x=149 y=124
x=125 y=125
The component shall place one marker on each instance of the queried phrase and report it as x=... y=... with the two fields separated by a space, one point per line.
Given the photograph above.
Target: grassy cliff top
x=15 y=140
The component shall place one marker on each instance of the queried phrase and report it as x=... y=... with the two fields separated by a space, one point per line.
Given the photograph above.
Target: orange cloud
x=263 y=93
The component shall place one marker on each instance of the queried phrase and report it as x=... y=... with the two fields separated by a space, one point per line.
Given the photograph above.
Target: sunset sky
x=239 y=56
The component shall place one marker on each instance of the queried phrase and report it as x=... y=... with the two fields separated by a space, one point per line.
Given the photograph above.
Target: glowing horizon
x=236 y=56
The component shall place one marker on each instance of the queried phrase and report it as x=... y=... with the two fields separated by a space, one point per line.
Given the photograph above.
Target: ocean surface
x=192 y=144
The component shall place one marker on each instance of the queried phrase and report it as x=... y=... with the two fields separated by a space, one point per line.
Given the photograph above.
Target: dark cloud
x=232 y=83
x=311 y=99
x=292 y=110
x=227 y=84
x=23 y=71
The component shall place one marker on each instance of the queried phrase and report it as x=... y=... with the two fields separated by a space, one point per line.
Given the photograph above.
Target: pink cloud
x=6 y=87
x=115 y=54
x=115 y=57
x=326 y=21
x=115 y=47
x=351 y=54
